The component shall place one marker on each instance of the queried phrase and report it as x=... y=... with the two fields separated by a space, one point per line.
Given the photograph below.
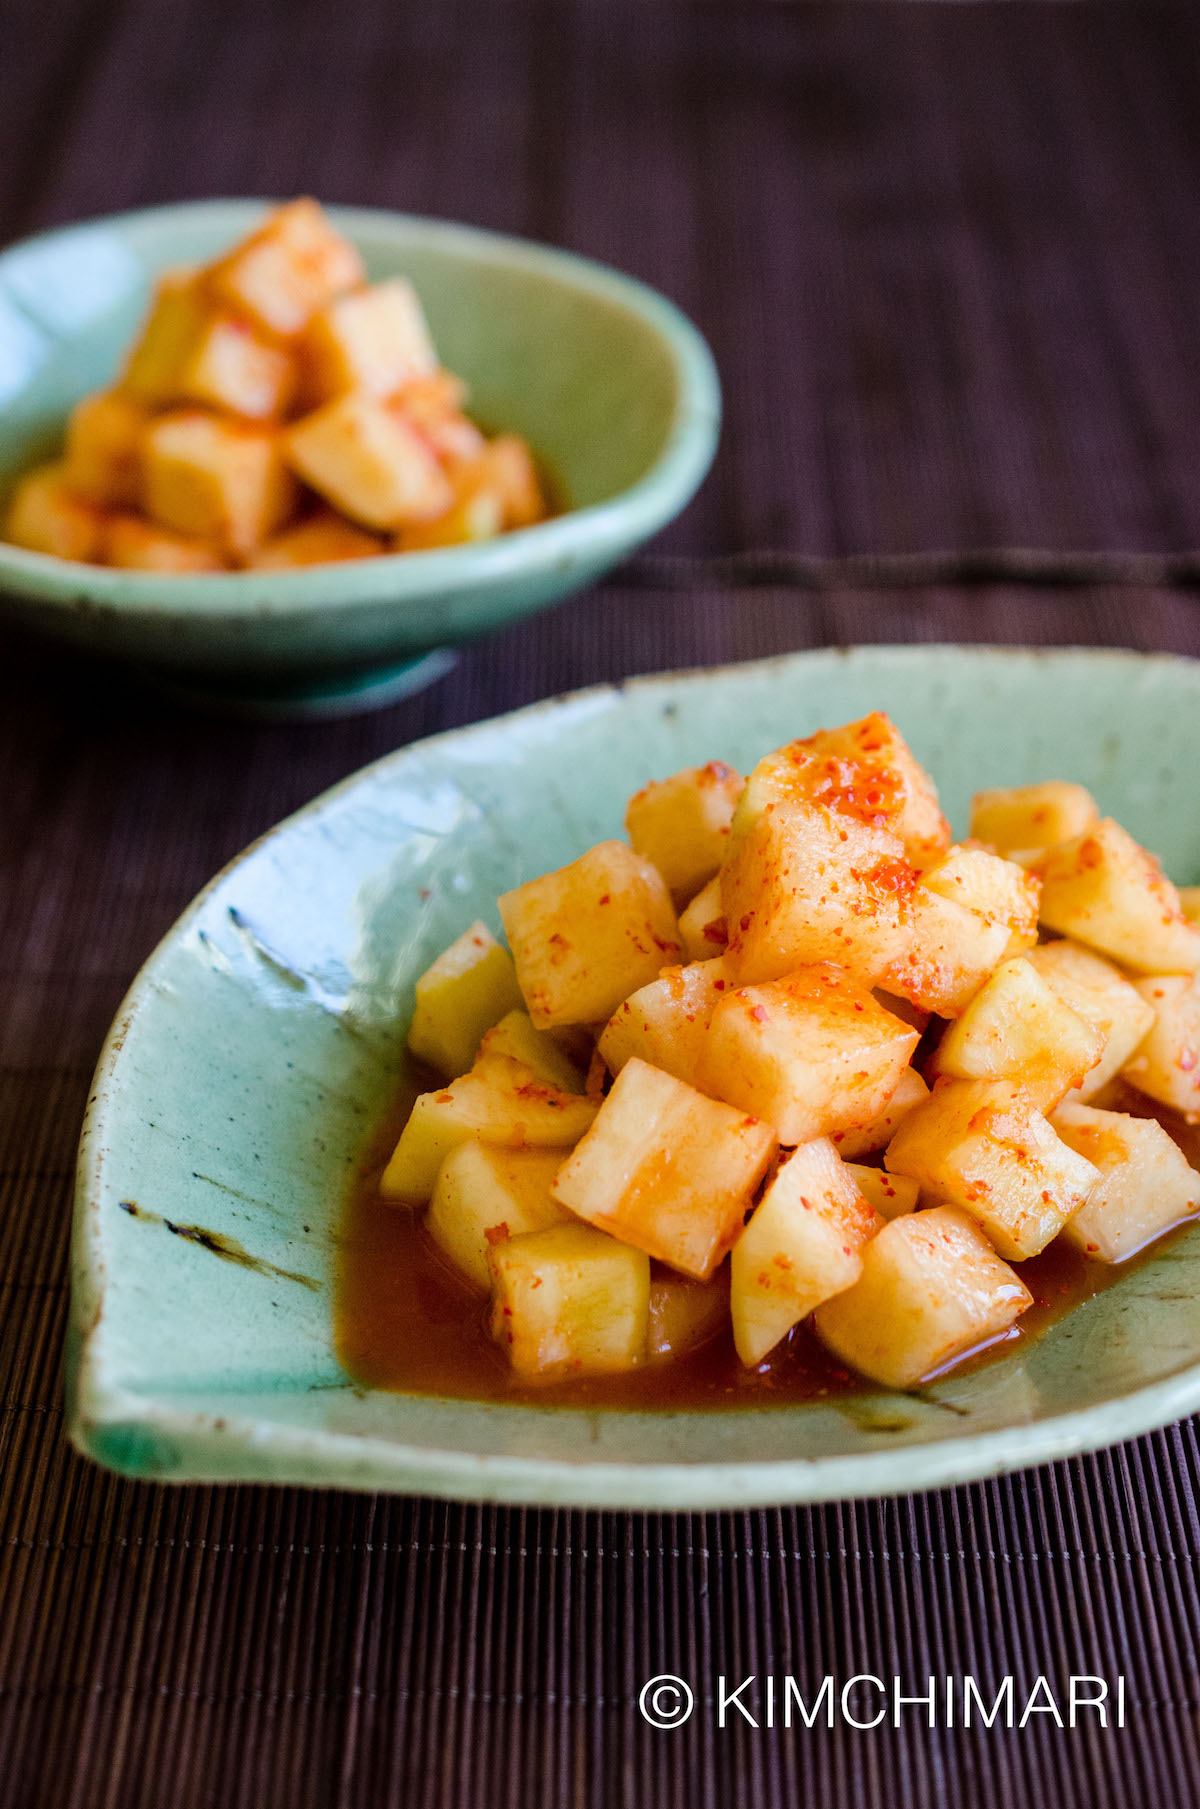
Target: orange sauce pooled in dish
x=407 y=1322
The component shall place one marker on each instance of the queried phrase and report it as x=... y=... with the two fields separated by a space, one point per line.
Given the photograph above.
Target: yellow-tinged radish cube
x=231 y=368
x=864 y=1140
x=368 y=463
x=1166 y=1065
x=459 y=446
x=103 y=458
x=1104 y=998
x=589 y=934
x=506 y=465
x=806 y=884
x=803 y=1245
x=951 y=952
x=681 y=824
x=665 y=1023
x=216 y=480
x=667 y=1170
x=193 y=350
x=437 y=396
x=702 y=925
x=685 y=1314
x=968 y=913
x=44 y=516
x=876 y=746
x=375 y=341
x=931 y=1289
x=1189 y=903
x=470 y=987
x=1104 y=889
x=1145 y=1183
x=324 y=539
x=137 y=545
x=433 y=405
x=890 y=1195
x=811 y=1054
x=983 y=1145
x=863 y=770
x=1022 y=820
x=500 y=1101
x=477 y=515
x=482 y=1189
x=997 y=890
x=179 y=313
x=570 y=1302
x=1017 y=1027
x=515 y=1036
x=294 y=264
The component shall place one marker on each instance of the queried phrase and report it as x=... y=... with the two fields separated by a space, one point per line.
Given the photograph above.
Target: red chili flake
x=498 y=1234
x=444 y=1099
x=758 y=1012
x=607 y=898
x=745 y=922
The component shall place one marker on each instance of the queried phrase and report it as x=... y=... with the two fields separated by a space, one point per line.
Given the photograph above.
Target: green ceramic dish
x=264 y=1037
x=614 y=389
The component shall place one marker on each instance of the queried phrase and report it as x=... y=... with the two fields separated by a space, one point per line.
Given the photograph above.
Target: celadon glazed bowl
x=614 y=389
x=264 y=1038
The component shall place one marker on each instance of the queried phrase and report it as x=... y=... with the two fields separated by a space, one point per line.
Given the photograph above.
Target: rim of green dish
x=103 y=1416
x=632 y=514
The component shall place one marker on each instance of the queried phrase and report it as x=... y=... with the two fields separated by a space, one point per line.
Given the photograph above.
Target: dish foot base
x=307 y=699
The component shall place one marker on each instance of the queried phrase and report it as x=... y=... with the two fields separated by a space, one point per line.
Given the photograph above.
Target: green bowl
x=613 y=387
x=263 y=1041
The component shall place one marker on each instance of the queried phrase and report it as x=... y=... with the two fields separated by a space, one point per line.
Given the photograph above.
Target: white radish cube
x=802 y=1245
x=1024 y=819
x=890 y=1195
x=686 y=1314
x=569 y=1302
x=666 y=1022
x=483 y=1194
x=864 y=1140
x=1017 y=1027
x=470 y=987
x=1166 y=1065
x=805 y=884
x=932 y=1288
x=813 y=1053
x=1145 y=1184
x=681 y=824
x=666 y=1169
x=1103 y=997
x=983 y=1145
x=1106 y=890
x=588 y=935
x=500 y=1101
x=702 y=925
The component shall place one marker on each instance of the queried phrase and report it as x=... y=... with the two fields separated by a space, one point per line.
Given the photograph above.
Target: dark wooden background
x=949 y=261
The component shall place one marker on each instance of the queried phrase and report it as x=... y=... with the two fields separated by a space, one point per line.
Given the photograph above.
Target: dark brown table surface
x=949 y=261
